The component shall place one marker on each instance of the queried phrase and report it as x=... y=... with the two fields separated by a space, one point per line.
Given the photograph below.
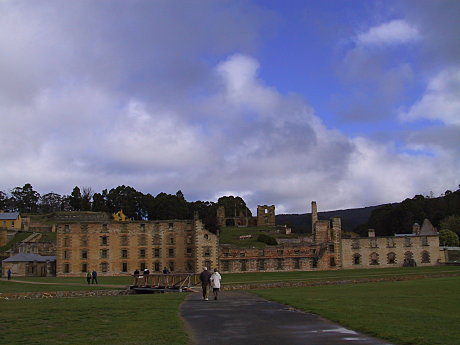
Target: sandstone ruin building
x=115 y=245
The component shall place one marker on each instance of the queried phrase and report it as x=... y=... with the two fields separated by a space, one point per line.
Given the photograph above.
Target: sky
x=348 y=103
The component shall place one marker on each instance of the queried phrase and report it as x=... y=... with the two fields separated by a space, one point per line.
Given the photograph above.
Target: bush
x=448 y=238
x=271 y=241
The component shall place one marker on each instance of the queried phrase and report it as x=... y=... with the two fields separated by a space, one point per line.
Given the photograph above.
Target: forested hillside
x=351 y=218
x=399 y=218
x=389 y=219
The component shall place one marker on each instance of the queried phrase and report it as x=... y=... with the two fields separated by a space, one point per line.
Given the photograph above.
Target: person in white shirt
x=215 y=282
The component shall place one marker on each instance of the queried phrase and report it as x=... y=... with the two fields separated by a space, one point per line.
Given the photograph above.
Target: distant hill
x=386 y=219
x=351 y=218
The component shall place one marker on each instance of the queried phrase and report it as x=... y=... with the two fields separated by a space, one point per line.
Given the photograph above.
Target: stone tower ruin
x=266 y=215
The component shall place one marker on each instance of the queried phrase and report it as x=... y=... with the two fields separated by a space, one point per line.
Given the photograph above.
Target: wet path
x=242 y=318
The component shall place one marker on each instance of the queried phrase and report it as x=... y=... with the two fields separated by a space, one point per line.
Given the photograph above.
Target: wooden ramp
x=160 y=283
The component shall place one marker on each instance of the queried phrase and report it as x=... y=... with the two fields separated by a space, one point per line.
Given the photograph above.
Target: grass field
x=422 y=312
x=230 y=235
x=335 y=275
x=142 y=319
x=232 y=278
x=12 y=287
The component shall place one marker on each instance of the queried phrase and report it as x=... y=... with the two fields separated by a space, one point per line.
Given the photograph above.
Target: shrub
x=271 y=241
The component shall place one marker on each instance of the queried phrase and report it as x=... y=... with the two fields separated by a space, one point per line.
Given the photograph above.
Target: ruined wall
x=266 y=215
x=286 y=257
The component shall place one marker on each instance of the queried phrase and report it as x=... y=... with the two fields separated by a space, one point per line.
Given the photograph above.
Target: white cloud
x=98 y=105
x=394 y=32
x=441 y=100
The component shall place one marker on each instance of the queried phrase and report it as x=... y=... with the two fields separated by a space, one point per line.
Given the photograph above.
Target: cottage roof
x=28 y=257
x=9 y=215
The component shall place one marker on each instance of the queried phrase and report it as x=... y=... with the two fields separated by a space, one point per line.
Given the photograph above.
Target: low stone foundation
x=62 y=294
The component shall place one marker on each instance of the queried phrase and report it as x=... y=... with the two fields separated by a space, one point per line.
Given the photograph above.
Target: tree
x=75 y=199
x=50 y=202
x=451 y=223
x=234 y=206
x=448 y=238
x=168 y=206
x=86 y=197
x=100 y=202
x=128 y=199
x=4 y=201
x=25 y=199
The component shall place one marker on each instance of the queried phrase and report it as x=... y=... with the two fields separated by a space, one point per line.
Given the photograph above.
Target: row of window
x=124 y=227
x=261 y=264
x=124 y=253
x=391 y=259
x=281 y=252
x=124 y=241
x=391 y=243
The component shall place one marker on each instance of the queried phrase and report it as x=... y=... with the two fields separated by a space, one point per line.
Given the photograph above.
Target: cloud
x=391 y=33
x=441 y=100
x=168 y=95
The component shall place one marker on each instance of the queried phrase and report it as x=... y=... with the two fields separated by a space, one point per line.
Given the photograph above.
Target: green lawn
x=12 y=287
x=230 y=235
x=260 y=277
x=422 y=312
x=142 y=319
x=232 y=278
x=119 y=280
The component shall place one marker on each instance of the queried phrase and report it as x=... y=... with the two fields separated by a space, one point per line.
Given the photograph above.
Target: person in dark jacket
x=136 y=277
x=205 y=278
x=94 y=277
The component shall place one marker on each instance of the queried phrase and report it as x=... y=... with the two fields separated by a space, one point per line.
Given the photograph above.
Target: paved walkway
x=238 y=318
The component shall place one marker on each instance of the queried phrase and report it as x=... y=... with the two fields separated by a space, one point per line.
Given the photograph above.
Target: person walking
x=94 y=277
x=88 y=277
x=205 y=277
x=146 y=276
x=136 y=277
x=9 y=274
x=215 y=282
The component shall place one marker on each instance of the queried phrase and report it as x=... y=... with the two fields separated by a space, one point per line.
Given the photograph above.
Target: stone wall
x=62 y=294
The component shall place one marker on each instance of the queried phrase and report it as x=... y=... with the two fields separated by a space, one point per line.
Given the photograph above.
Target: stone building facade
x=118 y=248
x=391 y=251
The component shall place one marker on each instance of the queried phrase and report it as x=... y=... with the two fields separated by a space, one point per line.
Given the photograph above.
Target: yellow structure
x=10 y=220
x=119 y=216
x=118 y=248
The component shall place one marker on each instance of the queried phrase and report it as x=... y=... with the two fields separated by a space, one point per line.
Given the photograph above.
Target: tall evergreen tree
x=25 y=199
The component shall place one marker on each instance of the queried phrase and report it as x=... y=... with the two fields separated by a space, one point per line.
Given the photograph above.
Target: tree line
x=443 y=212
x=135 y=204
